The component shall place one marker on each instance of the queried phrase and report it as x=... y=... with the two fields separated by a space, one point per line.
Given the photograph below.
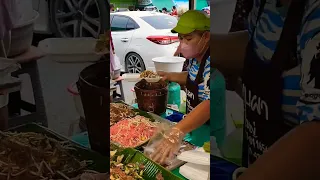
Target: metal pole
x=191 y=4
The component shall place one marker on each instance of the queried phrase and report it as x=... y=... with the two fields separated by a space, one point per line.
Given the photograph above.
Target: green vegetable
x=206 y=146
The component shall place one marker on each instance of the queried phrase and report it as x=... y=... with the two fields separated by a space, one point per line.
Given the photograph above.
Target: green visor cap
x=192 y=20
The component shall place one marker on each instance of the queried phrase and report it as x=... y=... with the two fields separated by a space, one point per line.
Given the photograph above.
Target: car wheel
x=134 y=63
x=79 y=18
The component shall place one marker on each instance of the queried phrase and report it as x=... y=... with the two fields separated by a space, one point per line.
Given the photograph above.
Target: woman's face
x=194 y=37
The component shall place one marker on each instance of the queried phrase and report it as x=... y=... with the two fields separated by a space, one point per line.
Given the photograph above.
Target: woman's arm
x=180 y=78
x=196 y=118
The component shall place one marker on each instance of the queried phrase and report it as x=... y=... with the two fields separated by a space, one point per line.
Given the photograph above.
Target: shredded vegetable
x=119 y=111
x=34 y=156
x=148 y=74
x=132 y=132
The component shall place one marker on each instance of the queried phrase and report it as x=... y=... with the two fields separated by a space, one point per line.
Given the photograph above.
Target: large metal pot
x=94 y=93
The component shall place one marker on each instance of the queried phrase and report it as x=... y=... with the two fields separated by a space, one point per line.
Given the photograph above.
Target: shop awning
x=201 y=4
x=163 y=3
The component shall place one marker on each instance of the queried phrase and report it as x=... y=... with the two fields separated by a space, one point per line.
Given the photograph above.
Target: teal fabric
x=199 y=136
x=217 y=106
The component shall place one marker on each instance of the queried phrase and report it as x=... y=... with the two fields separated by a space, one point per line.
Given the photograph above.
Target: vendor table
x=83 y=140
x=197 y=137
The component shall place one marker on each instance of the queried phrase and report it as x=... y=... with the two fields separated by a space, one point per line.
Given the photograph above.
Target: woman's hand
x=178 y=77
x=164 y=75
x=168 y=146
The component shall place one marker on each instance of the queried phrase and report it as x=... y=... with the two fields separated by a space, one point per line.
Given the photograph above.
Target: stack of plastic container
x=197 y=166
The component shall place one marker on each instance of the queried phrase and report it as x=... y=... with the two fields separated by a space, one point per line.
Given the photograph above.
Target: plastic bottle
x=174 y=94
x=217 y=106
x=183 y=107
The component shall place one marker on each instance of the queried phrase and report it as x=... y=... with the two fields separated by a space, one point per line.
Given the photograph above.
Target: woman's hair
x=200 y=33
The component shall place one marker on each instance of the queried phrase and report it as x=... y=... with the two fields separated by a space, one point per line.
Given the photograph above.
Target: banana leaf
x=151 y=169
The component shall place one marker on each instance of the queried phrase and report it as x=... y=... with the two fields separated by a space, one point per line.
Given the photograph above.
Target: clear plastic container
x=183 y=107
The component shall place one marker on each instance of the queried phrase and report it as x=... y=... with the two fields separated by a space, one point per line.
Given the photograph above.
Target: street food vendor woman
x=193 y=29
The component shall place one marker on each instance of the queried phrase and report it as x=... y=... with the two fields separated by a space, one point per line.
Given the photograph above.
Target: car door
x=122 y=31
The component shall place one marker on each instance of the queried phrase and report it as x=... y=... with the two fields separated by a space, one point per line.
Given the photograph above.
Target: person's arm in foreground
x=297 y=155
x=228 y=51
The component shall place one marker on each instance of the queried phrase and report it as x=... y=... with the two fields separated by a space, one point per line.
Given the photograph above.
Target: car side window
x=131 y=25
x=119 y=23
x=111 y=17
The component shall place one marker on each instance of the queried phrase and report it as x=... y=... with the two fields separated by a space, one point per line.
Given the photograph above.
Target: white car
x=139 y=36
x=72 y=18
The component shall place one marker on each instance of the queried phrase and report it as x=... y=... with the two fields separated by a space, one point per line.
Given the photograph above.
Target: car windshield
x=161 y=21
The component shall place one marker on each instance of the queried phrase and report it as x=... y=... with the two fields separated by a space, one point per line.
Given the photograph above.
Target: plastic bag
x=195 y=172
x=195 y=157
x=161 y=141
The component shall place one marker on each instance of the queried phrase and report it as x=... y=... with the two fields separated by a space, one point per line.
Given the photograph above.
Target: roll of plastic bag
x=195 y=157
x=195 y=172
